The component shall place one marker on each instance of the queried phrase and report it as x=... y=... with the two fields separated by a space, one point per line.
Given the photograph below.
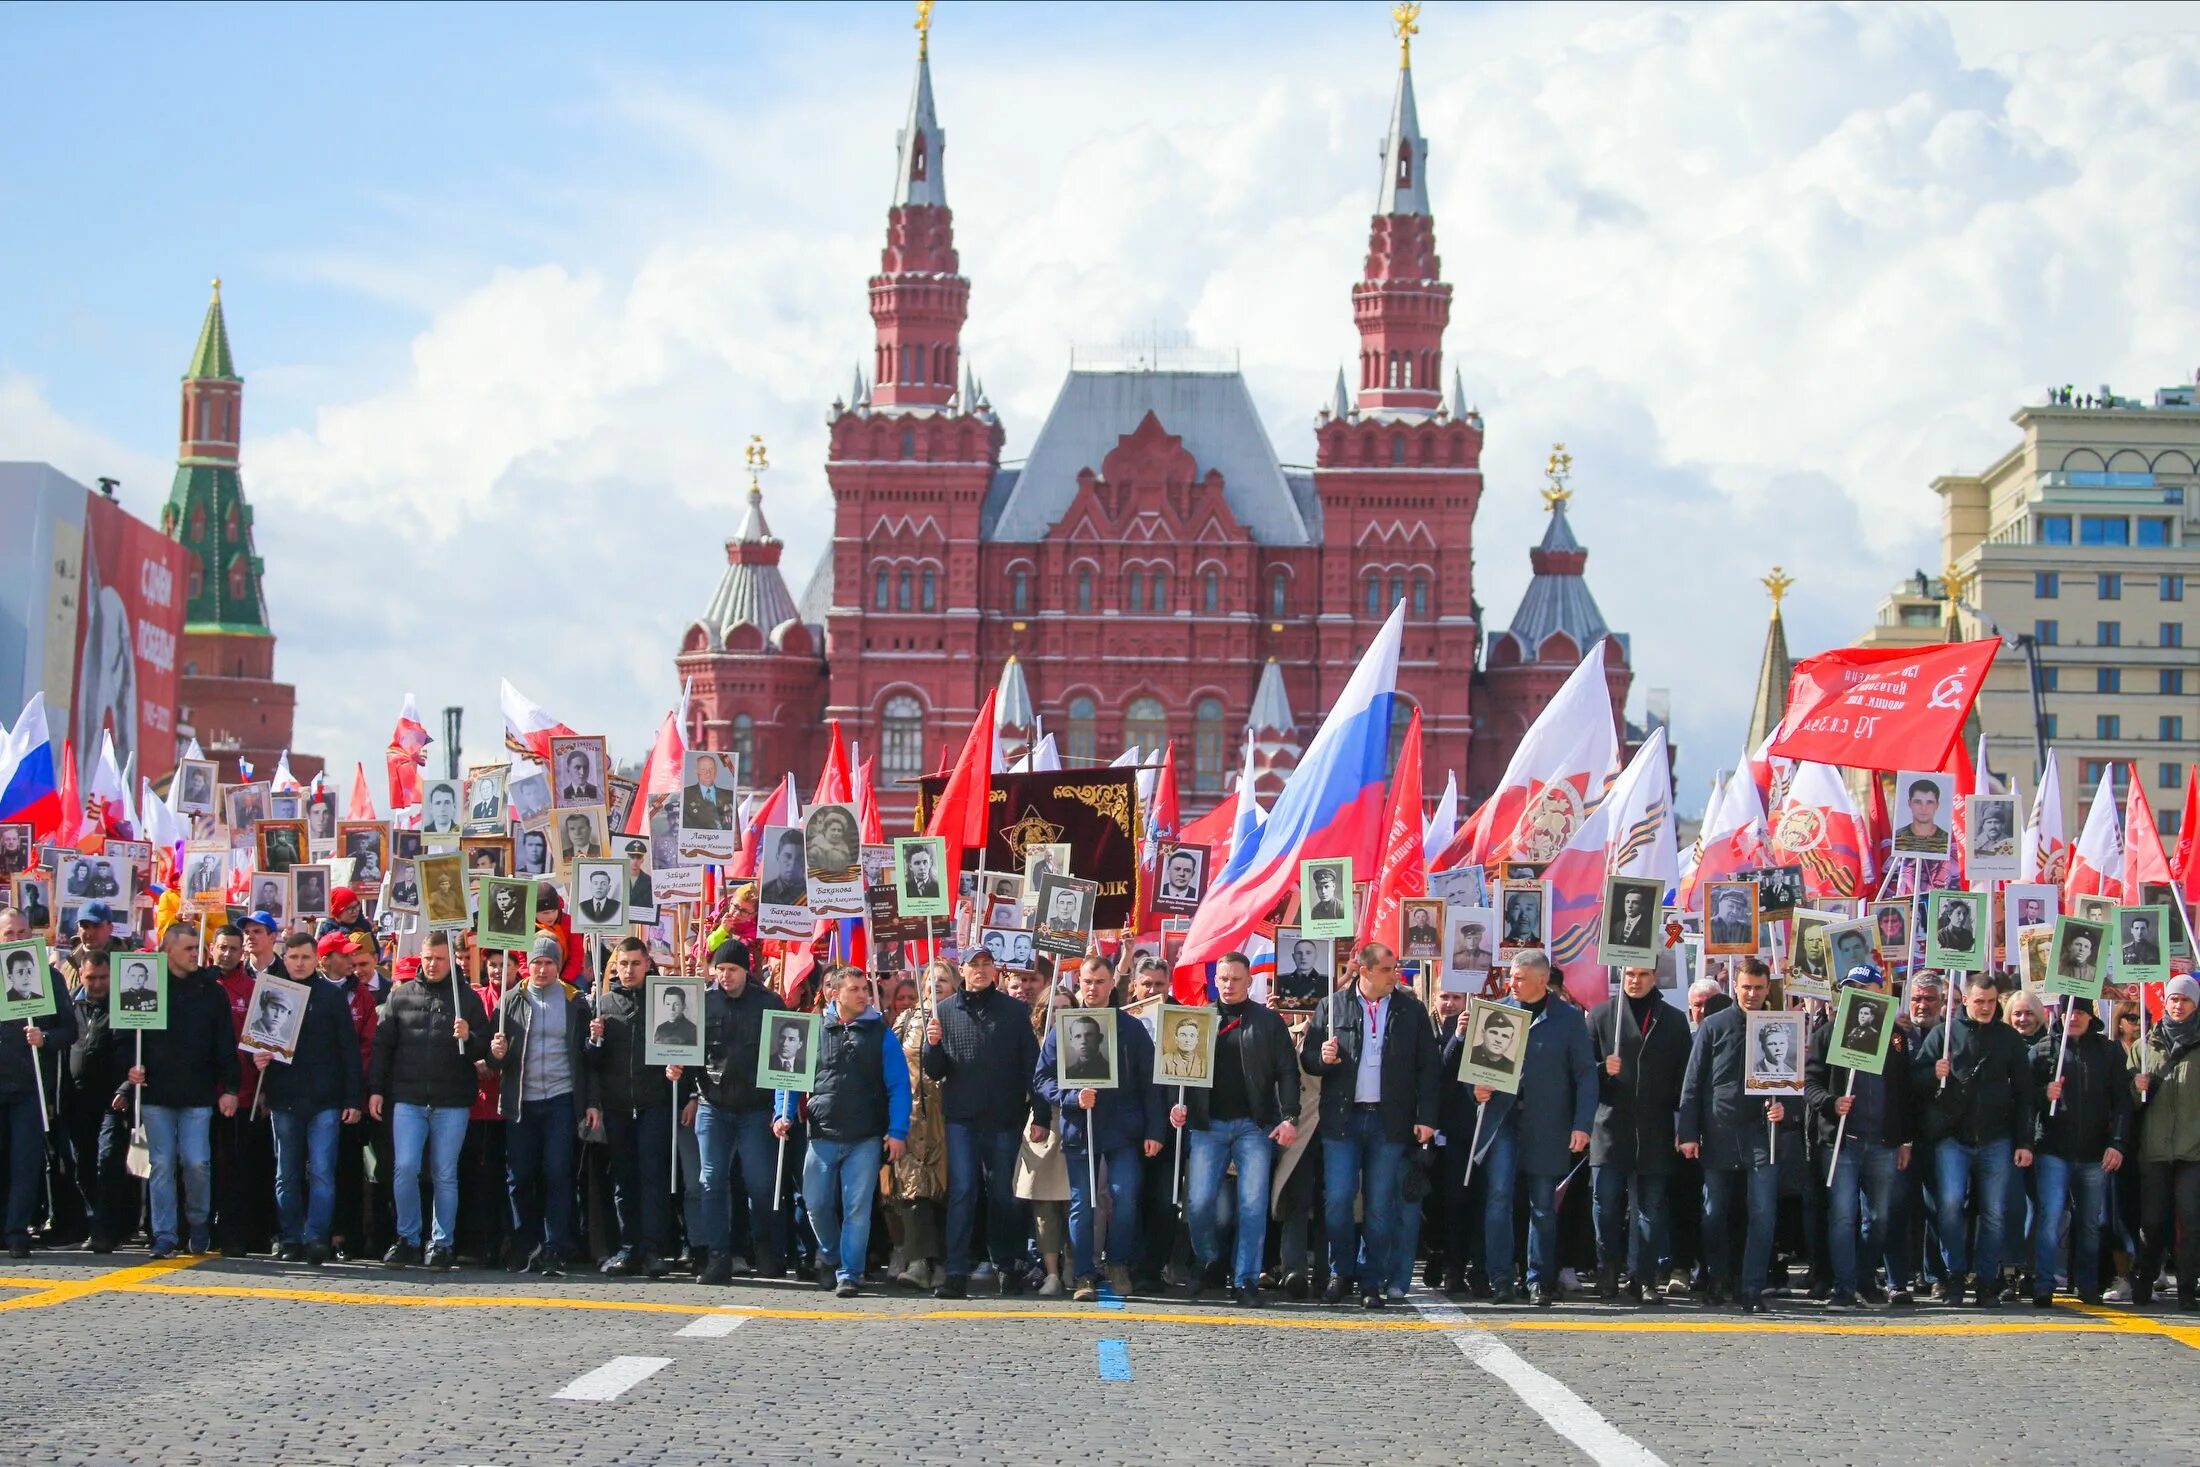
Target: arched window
x=1084 y=730
x=1084 y=589
x=1409 y=370
x=920 y=158
x=238 y=567
x=1208 y=748
x=908 y=443
x=1135 y=600
x=879 y=593
x=1278 y=594
x=901 y=590
x=1405 y=162
x=1161 y=590
x=1397 y=448
x=931 y=600
x=1401 y=714
x=744 y=747
x=1210 y=591
x=1420 y=595
x=1397 y=589
x=229 y=525
x=194 y=575
x=198 y=521
x=1145 y=725
x=1374 y=594
x=901 y=737
x=1020 y=595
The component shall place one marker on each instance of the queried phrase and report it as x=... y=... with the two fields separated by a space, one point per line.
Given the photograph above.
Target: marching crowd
x=496 y=1109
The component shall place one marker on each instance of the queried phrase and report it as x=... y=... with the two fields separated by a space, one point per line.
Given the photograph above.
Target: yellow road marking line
x=98 y=1283
x=2126 y=1322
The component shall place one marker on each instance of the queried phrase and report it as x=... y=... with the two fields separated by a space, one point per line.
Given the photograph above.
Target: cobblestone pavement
x=113 y=1360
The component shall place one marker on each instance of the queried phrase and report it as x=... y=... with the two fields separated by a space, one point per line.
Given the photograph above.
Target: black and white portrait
x=247 y=805
x=485 y=805
x=1779 y=891
x=1774 y=1049
x=526 y=793
x=1631 y=920
x=439 y=805
x=641 y=891
x=1991 y=837
x=2141 y=955
x=1302 y=970
x=580 y=833
x=205 y=875
x=1420 y=930
x=1084 y=1055
x=1525 y=908
x=1496 y=1047
x=1325 y=897
x=577 y=768
x=2079 y=945
x=1180 y=873
x=675 y=1006
x=1064 y=908
x=507 y=913
x=1731 y=928
x=367 y=843
x=309 y=889
x=599 y=895
x=404 y=886
x=920 y=863
x=194 y=787
x=282 y=843
x=531 y=852
x=1470 y=948
x=273 y=1015
x=1010 y=946
x=270 y=893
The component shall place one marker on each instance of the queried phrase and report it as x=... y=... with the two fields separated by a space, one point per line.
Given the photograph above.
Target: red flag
x=1402 y=872
x=874 y=831
x=2097 y=860
x=777 y=809
x=2188 y=839
x=72 y=803
x=2144 y=859
x=660 y=772
x=1212 y=830
x=1878 y=824
x=960 y=815
x=1884 y=708
x=1817 y=828
x=362 y=803
x=832 y=784
x=407 y=756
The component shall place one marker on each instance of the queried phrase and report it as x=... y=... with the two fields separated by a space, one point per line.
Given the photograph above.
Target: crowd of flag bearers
x=1536 y=1052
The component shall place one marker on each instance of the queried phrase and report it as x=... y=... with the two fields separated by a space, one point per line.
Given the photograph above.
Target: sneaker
x=1119 y=1279
x=827 y=1276
x=1566 y=1279
x=1051 y=1286
x=553 y=1264
x=1506 y=1294
x=618 y=1263
x=440 y=1259
x=954 y=1286
x=201 y=1244
x=1395 y=1294
x=163 y=1248
x=1371 y=1301
x=655 y=1267
x=291 y=1253
x=1678 y=1287
x=918 y=1276
x=101 y=1245
x=2118 y=1293
x=719 y=1271
x=847 y=1289
x=1652 y=1299
x=1840 y=1302
x=1546 y=1297
x=401 y=1255
x=316 y=1254
x=1088 y=1291
x=982 y=1273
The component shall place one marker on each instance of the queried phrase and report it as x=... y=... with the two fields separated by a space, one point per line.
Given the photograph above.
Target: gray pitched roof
x=1012 y=708
x=817 y=596
x=1558 y=600
x=1211 y=411
x=1410 y=197
x=752 y=592
x=1271 y=704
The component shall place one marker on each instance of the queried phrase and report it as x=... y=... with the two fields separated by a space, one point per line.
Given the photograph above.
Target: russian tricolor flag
x=28 y=787
x=1333 y=805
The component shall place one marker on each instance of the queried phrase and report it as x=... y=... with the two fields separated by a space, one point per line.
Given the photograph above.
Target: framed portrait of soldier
x=1064 y=913
x=320 y=818
x=273 y=1015
x=599 y=896
x=580 y=833
x=1303 y=968
x=286 y=804
x=1524 y=912
x=486 y=807
x=920 y=866
x=490 y=855
x=1421 y=930
x=1084 y=1049
x=1462 y=886
x=205 y=874
x=526 y=793
x=1730 y=918
x=1779 y=891
x=530 y=848
x=1180 y=877
x=2033 y=956
x=404 y=887
x=310 y=886
x=1955 y=931
x=193 y=787
x=2081 y=958
x=786 y=1059
x=245 y=805
x=783 y=893
x=279 y=844
x=1010 y=946
x=2151 y=894
x=2096 y=908
x=1990 y=838
x=104 y=877
x=367 y=844
x=1890 y=930
x=140 y=987
x=708 y=807
x=441 y=807
x=26 y=983
x=32 y=895
x=1925 y=806
x=1496 y=1047
x=443 y=890
x=1848 y=945
x=1632 y=930
x=405 y=844
x=1325 y=897
x=1002 y=893
x=1043 y=858
x=2142 y=948
x=1808 y=956
x=675 y=1008
x=1774 y=1049
x=1184 y=1046
x=16 y=839
x=832 y=854
x=506 y=922
x=2027 y=904
x=1863 y=1023
x=641 y=890
x=269 y=892
x=578 y=765
x=620 y=800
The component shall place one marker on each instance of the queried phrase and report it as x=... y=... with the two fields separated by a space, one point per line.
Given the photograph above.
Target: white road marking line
x=712 y=1326
x=609 y=1381
x=1563 y=1411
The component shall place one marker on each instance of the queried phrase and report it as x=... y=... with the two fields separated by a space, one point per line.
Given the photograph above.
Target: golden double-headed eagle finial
x=1777 y=584
x=1405 y=19
x=1558 y=471
x=924 y=29
x=757 y=461
x=1953 y=583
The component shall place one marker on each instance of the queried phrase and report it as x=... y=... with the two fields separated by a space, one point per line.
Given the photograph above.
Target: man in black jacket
x=1875 y=1151
x=980 y=1047
x=189 y=1072
x=432 y=1033
x=2080 y=1144
x=1631 y=1146
x=733 y=1119
x=1251 y=1110
x=636 y=1101
x=1724 y=1128
x=542 y=1032
x=1378 y=1069
x=30 y=1049
x=309 y=1100
x=1980 y=1105
x=97 y=1121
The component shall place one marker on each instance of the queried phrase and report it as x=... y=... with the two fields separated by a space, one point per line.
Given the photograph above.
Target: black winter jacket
x=733 y=1031
x=984 y=1060
x=416 y=1061
x=99 y=1059
x=17 y=1067
x=2095 y=1113
x=1409 y=1062
x=1634 y=1125
x=192 y=1062
x=1262 y=1045
x=1990 y=1095
x=1824 y=1084
x=323 y=1073
x=1714 y=1111
x=624 y=1082
x=518 y=1014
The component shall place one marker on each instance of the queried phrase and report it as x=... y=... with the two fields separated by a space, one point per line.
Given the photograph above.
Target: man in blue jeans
x=1120 y=1126
x=1724 y=1127
x=1869 y=1115
x=1250 y=1109
x=980 y=1049
x=33 y=1052
x=1979 y=1101
x=733 y=1119
x=320 y=1090
x=1535 y=1132
x=542 y=1029
x=2081 y=1144
x=1375 y=1050
x=189 y=1071
x=422 y=1078
x=858 y=1110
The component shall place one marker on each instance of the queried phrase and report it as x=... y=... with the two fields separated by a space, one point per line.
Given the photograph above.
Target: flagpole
x=2062 y=1048
x=1840 y=1130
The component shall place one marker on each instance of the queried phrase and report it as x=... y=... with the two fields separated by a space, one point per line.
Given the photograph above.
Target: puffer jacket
x=416 y=1061
x=2169 y=1121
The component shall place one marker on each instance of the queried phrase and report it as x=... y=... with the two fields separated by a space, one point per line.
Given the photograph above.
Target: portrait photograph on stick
x=832 y=853
x=26 y=983
x=139 y=982
x=2081 y=962
x=440 y=807
x=194 y=786
x=1065 y=916
x=1863 y=1023
x=1774 y=1046
x=1180 y=877
x=786 y=1059
x=1955 y=923
x=2141 y=954
x=1421 y=930
x=1632 y=930
x=507 y=916
x=2027 y=904
x=443 y=891
x=1525 y=909
x=486 y=810
x=1496 y=1047
x=1303 y=969
x=490 y=855
x=273 y=1015
x=598 y=896
x=280 y=844
x=920 y=865
x=1084 y=1049
x=1184 y=1046
x=1325 y=897
x=1990 y=838
x=1924 y=807
x=1730 y=922
x=707 y=805
x=675 y=1006
x=577 y=768
x=310 y=886
x=367 y=844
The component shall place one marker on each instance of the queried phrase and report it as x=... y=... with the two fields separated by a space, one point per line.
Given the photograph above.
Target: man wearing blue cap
x=1875 y=1150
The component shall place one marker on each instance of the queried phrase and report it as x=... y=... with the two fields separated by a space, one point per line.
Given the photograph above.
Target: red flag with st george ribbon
x=406 y=757
x=1884 y=708
x=959 y=817
x=1816 y=826
x=1403 y=871
x=1556 y=775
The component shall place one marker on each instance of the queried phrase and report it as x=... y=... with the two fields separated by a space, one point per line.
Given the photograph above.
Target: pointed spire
x=1012 y=709
x=1769 y=706
x=1405 y=151
x=1271 y=704
x=1341 y=403
x=1459 y=409
x=1402 y=304
x=754 y=529
x=970 y=388
x=920 y=174
x=859 y=393
x=211 y=361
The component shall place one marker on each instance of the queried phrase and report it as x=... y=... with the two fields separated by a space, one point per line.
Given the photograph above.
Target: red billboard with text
x=129 y=626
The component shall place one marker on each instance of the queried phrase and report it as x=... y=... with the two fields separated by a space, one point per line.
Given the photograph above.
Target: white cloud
x=1766 y=270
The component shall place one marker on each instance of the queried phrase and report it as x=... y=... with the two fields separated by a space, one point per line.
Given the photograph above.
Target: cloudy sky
x=511 y=288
